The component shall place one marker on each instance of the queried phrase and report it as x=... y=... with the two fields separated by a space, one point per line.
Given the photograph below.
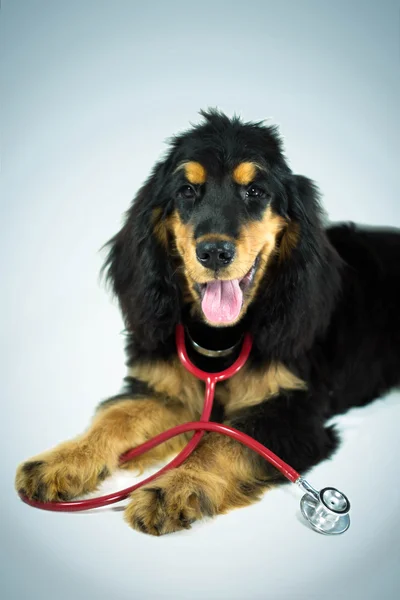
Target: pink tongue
x=222 y=301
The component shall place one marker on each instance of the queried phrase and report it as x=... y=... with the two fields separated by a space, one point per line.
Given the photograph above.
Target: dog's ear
x=139 y=269
x=304 y=202
x=303 y=287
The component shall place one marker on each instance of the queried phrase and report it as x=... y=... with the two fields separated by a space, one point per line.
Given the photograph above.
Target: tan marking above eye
x=195 y=173
x=245 y=172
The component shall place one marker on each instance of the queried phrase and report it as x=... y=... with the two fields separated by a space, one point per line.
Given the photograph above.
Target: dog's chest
x=250 y=387
x=247 y=388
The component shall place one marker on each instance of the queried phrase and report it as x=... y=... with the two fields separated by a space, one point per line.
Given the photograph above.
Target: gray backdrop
x=90 y=89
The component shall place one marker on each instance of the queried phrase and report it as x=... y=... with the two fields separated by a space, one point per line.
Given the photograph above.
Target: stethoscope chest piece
x=327 y=511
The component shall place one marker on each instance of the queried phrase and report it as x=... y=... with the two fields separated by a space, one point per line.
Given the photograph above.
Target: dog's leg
x=223 y=474
x=78 y=466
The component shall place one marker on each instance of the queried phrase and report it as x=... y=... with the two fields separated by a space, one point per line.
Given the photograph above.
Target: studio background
x=90 y=90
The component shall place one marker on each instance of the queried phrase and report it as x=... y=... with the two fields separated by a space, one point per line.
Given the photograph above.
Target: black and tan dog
x=226 y=239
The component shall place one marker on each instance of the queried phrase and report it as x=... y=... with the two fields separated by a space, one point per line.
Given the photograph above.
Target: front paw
x=173 y=503
x=59 y=475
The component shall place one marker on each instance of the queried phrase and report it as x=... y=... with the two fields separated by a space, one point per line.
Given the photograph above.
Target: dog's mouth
x=222 y=300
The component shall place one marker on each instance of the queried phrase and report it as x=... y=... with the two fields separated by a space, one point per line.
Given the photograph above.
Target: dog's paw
x=59 y=475
x=173 y=503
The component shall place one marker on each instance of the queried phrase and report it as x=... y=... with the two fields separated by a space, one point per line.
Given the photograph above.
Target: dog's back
x=362 y=345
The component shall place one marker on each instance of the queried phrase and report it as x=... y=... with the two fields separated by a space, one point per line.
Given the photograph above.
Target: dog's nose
x=215 y=254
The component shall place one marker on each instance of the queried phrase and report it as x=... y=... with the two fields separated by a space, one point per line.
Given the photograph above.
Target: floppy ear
x=298 y=301
x=140 y=271
x=304 y=205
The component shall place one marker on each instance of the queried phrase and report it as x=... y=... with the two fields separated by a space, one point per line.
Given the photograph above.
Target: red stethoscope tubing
x=210 y=379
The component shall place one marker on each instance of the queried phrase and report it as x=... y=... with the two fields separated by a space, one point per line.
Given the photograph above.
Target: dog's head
x=208 y=226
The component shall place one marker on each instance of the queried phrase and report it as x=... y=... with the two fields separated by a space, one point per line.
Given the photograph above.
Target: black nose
x=215 y=255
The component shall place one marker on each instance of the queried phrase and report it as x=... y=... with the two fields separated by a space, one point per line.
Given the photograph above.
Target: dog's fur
x=322 y=307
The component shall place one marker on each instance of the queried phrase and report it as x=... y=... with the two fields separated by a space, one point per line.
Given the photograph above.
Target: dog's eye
x=187 y=191
x=255 y=192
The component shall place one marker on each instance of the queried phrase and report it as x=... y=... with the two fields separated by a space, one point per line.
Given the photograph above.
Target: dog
x=224 y=238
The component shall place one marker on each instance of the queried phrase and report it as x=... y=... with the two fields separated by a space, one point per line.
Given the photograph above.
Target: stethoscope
x=327 y=511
